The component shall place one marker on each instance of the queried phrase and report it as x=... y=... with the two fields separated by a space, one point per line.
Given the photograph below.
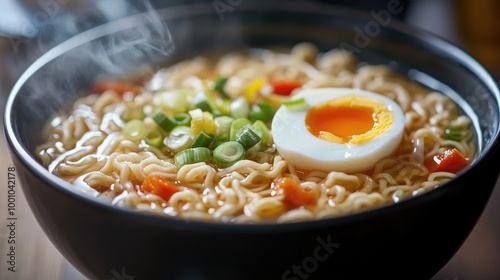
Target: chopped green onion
x=223 y=124
x=134 y=130
x=267 y=110
x=219 y=86
x=179 y=139
x=192 y=155
x=228 y=153
x=265 y=134
x=236 y=125
x=212 y=102
x=182 y=119
x=164 y=121
x=239 y=108
x=154 y=138
x=200 y=101
x=441 y=178
x=248 y=136
x=398 y=195
x=256 y=115
x=173 y=101
x=225 y=106
x=262 y=111
x=204 y=106
x=202 y=140
x=295 y=104
x=220 y=138
x=456 y=133
x=132 y=113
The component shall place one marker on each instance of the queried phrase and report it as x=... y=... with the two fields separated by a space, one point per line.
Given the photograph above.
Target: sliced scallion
x=295 y=104
x=224 y=106
x=267 y=110
x=265 y=134
x=223 y=124
x=179 y=139
x=182 y=119
x=248 y=136
x=398 y=195
x=262 y=111
x=228 y=153
x=132 y=113
x=192 y=155
x=211 y=100
x=200 y=101
x=173 y=101
x=134 y=130
x=236 y=125
x=456 y=133
x=219 y=139
x=204 y=106
x=164 y=121
x=202 y=140
x=154 y=138
x=219 y=86
x=239 y=108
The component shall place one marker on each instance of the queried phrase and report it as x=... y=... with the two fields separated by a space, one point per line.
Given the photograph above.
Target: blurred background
x=28 y=28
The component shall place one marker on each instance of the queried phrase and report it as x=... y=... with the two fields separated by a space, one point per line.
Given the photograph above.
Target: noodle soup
x=260 y=136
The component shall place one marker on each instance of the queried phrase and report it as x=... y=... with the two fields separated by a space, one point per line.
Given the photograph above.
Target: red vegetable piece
x=120 y=88
x=448 y=161
x=284 y=87
x=159 y=185
x=295 y=196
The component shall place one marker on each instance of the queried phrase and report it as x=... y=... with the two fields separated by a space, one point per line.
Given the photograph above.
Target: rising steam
x=108 y=50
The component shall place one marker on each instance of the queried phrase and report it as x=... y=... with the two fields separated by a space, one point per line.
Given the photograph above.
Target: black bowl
x=412 y=239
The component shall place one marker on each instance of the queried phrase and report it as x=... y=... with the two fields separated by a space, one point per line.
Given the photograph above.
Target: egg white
x=304 y=150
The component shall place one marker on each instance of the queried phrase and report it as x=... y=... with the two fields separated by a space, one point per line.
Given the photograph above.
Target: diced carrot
x=159 y=185
x=284 y=87
x=120 y=88
x=450 y=160
x=295 y=196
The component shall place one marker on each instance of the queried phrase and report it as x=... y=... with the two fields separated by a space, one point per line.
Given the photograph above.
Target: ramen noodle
x=260 y=136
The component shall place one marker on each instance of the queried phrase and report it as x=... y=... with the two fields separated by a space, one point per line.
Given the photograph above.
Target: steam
x=130 y=48
x=115 y=47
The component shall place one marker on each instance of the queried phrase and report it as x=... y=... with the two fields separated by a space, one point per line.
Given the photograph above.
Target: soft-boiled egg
x=340 y=129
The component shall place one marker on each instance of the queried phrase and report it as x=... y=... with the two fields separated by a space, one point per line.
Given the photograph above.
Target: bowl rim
x=439 y=44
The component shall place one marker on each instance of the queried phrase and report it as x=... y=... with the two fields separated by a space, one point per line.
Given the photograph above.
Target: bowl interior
x=147 y=40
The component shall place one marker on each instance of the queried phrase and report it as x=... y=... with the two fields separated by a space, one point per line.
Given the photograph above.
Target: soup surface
x=260 y=136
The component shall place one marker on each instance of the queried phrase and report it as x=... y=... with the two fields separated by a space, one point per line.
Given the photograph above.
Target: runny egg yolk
x=341 y=129
x=350 y=119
